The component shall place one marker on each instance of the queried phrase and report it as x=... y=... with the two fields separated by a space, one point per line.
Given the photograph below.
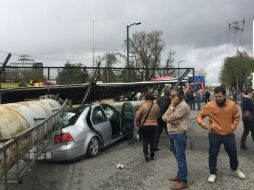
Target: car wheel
x=93 y=147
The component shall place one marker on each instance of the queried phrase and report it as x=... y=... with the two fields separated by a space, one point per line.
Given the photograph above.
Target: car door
x=128 y=117
x=114 y=118
x=101 y=123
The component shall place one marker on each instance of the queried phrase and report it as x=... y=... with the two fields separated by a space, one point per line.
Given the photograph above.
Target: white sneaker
x=211 y=178
x=239 y=174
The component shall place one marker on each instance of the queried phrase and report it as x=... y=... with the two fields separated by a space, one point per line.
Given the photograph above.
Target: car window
x=98 y=116
x=109 y=111
x=73 y=117
x=128 y=111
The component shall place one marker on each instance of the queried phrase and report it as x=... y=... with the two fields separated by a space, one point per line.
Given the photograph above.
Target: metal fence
x=36 y=138
x=78 y=75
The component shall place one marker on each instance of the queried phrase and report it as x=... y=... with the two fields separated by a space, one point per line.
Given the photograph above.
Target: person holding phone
x=178 y=118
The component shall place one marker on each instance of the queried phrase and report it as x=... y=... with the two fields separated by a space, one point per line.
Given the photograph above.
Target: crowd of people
x=193 y=97
x=171 y=112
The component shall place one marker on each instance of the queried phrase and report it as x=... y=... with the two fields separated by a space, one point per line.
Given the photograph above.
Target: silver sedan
x=91 y=129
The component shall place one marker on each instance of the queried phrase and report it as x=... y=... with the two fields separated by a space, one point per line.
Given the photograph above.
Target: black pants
x=215 y=142
x=192 y=104
x=248 y=127
x=149 y=138
x=206 y=100
x=161 y=125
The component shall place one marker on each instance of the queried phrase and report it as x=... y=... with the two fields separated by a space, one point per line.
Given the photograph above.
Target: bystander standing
x=178 y=118
x=223 y=120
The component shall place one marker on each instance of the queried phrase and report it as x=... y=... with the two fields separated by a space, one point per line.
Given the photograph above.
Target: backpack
x=247 y=116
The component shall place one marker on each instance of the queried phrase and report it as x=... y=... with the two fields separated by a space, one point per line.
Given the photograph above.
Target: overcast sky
x=197 y=30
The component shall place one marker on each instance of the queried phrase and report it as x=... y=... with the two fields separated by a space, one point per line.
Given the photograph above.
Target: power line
x=46 y=58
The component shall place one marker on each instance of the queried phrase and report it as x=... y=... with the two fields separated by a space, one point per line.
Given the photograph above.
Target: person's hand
x=203 y=125
x=165 y=118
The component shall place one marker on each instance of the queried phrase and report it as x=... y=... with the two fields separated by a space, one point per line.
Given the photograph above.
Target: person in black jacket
x=207 y=96
x=247 y=105
x=163 y=103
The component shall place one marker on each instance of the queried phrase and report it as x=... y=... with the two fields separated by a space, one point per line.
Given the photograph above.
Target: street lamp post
x=128 y=59
x=178 y=63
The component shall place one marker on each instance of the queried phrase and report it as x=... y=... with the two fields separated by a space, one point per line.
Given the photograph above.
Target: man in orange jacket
x=223 y=120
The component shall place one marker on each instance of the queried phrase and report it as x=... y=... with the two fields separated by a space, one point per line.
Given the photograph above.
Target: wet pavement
x=101 y=172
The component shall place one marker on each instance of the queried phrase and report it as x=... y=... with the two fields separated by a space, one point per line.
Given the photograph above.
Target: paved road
x=101 y=172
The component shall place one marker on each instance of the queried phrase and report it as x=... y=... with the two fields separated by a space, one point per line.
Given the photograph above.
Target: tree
x=24 y=74
x=146 y=49
x=33 y=74
x=168 y=68
x=72 y=74
x=236 y=70
x=110 y=60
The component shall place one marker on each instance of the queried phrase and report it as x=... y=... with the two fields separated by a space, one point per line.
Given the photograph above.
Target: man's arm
x=178 y=113
x=167 y=113
x=201 y=115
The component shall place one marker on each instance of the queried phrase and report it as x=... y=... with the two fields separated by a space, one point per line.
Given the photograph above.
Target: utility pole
x=93 y=43
x=128 y=48
x=178 y=64
x=236 y=27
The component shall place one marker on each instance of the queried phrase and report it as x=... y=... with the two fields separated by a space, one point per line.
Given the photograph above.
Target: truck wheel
x=93 y=148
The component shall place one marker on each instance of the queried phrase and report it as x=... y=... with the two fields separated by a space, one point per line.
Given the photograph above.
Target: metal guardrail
x=38 y=136
x=105 y=74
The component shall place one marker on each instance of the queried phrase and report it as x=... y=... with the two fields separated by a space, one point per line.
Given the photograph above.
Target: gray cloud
x=196 y=29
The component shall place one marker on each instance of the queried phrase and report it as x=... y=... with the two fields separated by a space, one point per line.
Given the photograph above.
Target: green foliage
x=236 y=71
x=26 y=74
x=72 y=74
x=13 y=75
x=33 y=74
x=108 y=74
x=22 y=83
x=110 y=59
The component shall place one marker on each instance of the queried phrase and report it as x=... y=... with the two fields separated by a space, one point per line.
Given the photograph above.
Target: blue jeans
x=230 y=146
x=178 y=146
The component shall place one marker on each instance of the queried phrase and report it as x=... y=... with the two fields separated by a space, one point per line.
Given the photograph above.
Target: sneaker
x=211 y=178
x=239 y=174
